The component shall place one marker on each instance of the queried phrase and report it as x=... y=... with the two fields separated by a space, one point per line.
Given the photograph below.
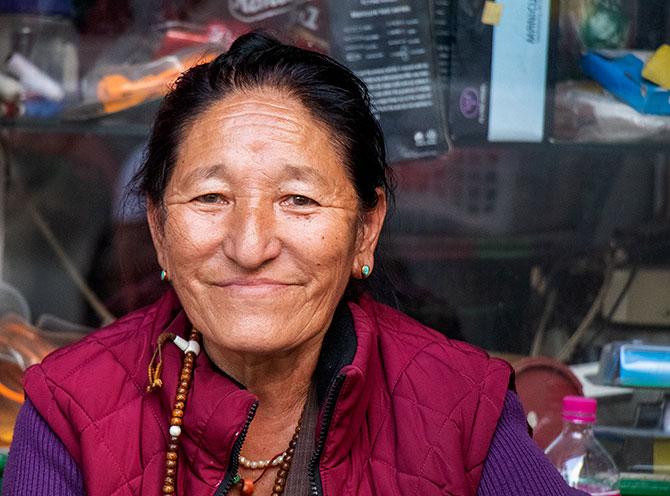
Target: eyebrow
x=288 y=172
x=206 y=172
x=303 y=173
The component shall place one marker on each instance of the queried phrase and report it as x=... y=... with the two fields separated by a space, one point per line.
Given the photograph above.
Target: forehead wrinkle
x=237 y=112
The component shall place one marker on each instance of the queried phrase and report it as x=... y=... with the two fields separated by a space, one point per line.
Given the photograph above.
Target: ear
x=155 y=219
x=367 y=238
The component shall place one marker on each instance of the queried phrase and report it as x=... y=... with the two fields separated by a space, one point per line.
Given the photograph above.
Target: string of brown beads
x=282 y=474
x=247 y=485
x=176 y=419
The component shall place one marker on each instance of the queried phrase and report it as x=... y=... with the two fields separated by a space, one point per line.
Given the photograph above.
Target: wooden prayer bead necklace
x=191 y=349
x=247 y=485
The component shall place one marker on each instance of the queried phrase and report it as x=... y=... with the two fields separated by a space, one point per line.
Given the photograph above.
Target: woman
x=266 y=186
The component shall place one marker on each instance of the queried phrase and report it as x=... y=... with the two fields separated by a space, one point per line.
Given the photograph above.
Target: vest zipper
x=227 y=481
x=316 y=489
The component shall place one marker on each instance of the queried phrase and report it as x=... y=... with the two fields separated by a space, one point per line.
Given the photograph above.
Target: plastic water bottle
x=577 y=454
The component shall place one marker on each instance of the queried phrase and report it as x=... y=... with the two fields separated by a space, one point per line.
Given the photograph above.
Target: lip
x=253 y=285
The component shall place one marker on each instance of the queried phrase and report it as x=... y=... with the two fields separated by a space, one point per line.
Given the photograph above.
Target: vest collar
x=217 y=406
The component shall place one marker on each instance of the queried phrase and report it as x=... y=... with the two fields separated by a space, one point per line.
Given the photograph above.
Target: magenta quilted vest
x=413 y=413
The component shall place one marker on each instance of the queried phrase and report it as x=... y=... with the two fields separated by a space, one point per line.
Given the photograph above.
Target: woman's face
x=262 y=227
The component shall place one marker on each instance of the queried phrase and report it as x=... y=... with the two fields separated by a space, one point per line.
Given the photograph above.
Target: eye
x=299 y=201
x=210 y=198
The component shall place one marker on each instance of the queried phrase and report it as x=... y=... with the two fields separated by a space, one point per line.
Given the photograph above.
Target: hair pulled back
x=330 y=91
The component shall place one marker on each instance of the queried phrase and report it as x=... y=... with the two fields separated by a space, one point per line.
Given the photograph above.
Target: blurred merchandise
x=38 y=7
x=490 y=191
x=598 y=23
x=657 y=67
x=391 y=48
x=117 y=88
x=592 y=24
x=622 y=76
x=542 y=383
x=638 y=296
x=634 y=363
x=176 y=35
x=21 y=345
x=10 y=89
x=35 y=82
x=498 y=70
x=3 y=462
x=634 y=484
x=585 y=113
x=40 y=50
x=577 y=454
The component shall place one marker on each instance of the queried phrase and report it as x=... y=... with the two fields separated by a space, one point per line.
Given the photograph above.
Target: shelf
x=430 y=247
x=134 y=122
x=623 y=432
x=107 y=127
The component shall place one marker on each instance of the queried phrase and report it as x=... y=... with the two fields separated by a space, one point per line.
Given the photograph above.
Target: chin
x=258 y=338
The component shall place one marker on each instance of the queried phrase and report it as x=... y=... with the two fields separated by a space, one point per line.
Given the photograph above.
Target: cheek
x=190 y=236
x=326 y=242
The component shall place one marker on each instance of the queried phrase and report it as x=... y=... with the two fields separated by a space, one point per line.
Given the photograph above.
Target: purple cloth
x=39 y=464
x=515 y=464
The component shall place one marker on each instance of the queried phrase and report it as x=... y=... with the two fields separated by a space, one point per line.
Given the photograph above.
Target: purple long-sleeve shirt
x=39 y=464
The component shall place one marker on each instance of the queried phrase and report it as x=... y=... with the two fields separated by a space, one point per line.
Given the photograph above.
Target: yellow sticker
x=661 y=455
x=492 y=13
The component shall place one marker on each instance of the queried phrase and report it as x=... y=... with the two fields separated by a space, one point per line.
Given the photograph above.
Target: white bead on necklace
x=255 y=465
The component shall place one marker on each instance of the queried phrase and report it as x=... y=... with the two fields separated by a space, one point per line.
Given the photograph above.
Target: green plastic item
x=606 y=24
x=637 y=487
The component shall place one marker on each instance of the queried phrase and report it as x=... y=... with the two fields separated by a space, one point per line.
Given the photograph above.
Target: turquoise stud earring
x=163 y=275
x=365 y=271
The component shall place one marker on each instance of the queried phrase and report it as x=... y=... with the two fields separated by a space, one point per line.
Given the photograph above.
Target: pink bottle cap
x=579 y=409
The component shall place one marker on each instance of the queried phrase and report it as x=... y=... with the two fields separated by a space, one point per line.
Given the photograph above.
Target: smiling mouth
x=253 y=286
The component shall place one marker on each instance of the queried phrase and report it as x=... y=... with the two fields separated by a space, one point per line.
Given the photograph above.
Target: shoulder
x=85 y=353
x=457 y=389
x=416 y=347
x=113 y=350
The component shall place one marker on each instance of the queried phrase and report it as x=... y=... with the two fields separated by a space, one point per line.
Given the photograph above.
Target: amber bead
x=170 y=472
x=175 y=421
x=179 y=405
x=177 y=413
x=247 y=487
x=278 y=489
x=169 y=481
x=168 y=489
x=182 y=391
x=282 y=473
x=180 y=396
x=171 y=464
x=170 y=455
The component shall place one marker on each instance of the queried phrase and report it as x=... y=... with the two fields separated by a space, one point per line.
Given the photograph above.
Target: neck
x=280 y=381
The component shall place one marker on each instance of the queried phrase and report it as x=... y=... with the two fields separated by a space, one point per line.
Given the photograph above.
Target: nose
x=251 y=240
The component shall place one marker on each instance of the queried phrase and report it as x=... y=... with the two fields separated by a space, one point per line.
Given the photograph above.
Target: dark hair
x=330 y=91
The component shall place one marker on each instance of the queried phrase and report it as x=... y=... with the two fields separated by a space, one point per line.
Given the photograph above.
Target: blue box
x=622 y=76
